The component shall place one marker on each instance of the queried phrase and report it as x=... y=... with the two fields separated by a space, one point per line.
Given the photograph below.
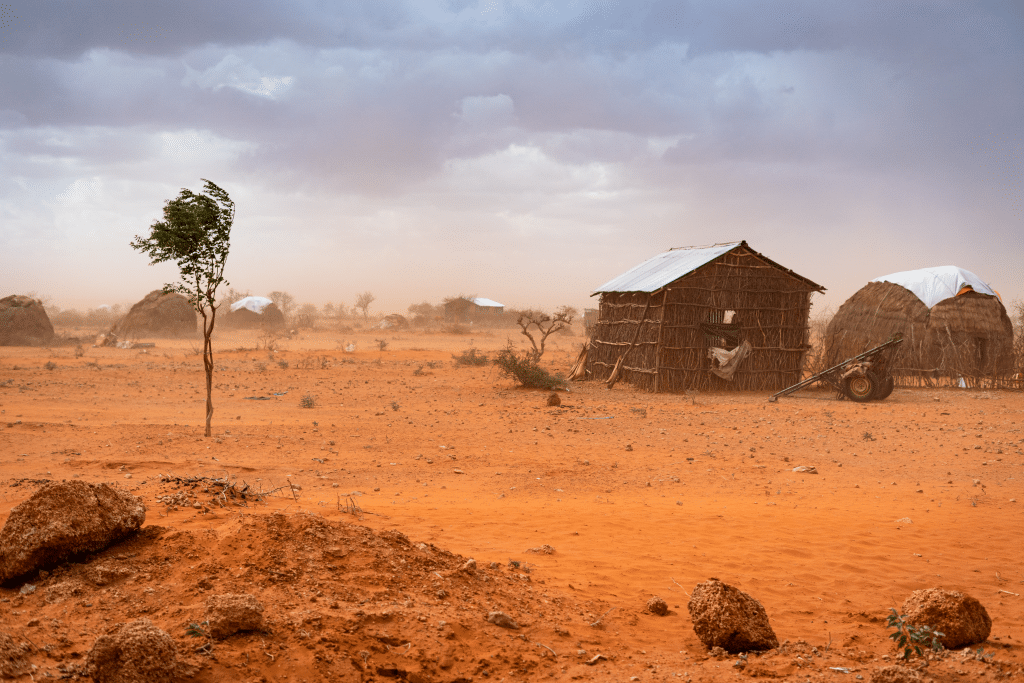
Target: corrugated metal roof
x=487 y=303
x=656 y=272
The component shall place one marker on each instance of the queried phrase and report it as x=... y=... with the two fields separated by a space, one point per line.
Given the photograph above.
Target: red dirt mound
x=23 y=322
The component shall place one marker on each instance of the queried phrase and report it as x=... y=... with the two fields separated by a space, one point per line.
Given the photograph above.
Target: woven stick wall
x=686 y=317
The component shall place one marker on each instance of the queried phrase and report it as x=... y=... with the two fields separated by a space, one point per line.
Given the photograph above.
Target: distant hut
x=158 y=314
x=472 y=309
x=952 y=322
x=23 y=322
x=254 y=312
x=703 y=318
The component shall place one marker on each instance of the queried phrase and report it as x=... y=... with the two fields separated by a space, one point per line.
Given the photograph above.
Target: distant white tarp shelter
x=256 y=304
x=932 y=285
x=487 y=303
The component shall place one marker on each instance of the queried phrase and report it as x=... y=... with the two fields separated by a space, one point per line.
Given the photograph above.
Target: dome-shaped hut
x=23 y=322
x=254 y=312
x=953 y=324
x=158 y=314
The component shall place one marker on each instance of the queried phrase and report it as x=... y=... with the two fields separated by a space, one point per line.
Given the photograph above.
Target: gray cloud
x=486 y=126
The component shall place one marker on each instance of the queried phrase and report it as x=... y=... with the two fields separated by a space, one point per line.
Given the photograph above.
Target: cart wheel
x=885 y=387
x=861 y=388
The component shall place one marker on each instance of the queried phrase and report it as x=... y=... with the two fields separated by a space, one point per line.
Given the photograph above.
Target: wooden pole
x=618 y=364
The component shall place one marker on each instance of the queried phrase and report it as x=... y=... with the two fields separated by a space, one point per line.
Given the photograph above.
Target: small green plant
x=283 y=364
x=526 y=370
x=308 y=401
x=196 y=630
x=868 y=436
x=910 y=638
x=471 y=357
x=395 y=406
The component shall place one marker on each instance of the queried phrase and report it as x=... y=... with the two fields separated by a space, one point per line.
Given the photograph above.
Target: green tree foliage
x=196 y=234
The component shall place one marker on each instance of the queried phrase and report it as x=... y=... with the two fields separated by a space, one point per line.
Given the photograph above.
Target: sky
x=526 y=151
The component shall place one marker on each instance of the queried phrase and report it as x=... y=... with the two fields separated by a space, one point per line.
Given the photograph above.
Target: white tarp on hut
x=932 y=285
x=256 y=304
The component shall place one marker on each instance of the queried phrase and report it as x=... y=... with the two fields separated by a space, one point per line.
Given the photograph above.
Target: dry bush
x=816 y=359
x=525 y=370
x=1017 y=316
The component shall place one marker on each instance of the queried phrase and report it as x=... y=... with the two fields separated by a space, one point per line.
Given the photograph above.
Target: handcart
x=864 y=377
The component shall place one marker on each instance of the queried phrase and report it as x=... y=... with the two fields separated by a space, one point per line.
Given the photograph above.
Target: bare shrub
x=816 y=359
x=1017 y=316
x=307 y=401
x=545 y=325
x=525 y=370
x=471 y=357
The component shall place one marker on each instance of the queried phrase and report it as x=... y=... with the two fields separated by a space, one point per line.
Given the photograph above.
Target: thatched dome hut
x=871 y=316
x=164 y=314
x=972 y=335
x=953 y=324
x=253 y=312
x=23 y=322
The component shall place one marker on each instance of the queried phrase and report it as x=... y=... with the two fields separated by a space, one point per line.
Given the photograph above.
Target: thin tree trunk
x=208 y=364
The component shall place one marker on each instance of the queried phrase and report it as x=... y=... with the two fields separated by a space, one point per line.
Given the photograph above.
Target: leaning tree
x=196 y=234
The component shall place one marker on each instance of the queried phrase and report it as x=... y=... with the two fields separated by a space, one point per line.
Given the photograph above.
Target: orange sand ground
x=638 y=494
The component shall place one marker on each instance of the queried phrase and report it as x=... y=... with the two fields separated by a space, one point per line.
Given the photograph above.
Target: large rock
x=23 y=322
x=962 y=619
x=728 y=618
x=228 y=614
x=65 y=519
x=134 y=652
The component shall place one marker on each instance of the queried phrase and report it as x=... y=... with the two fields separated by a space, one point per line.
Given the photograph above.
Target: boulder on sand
x=65 y=519
x=23 y=322
x=159 y=313
x=132 y=652
x=962 y=619
x=728 y=618
x=228 y=614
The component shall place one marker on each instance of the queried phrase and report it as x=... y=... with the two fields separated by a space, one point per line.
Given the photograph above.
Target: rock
x=132 y=652
x=657 y=606
x=12 y=657
x=726 y=617
x=469 y=566
x=806 y=469
x=65 y=519
x=23 y=322
x=542 y=550
x=962 y=619
x=554 y=399
x=501 y=619
x=895 y=674
x=228 y=614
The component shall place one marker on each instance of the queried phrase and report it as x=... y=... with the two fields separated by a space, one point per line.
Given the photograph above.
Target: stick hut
x=964 y=337
x=667 y=312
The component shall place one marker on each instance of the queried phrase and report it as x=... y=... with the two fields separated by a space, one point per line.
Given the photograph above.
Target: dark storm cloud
x=502 y=121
